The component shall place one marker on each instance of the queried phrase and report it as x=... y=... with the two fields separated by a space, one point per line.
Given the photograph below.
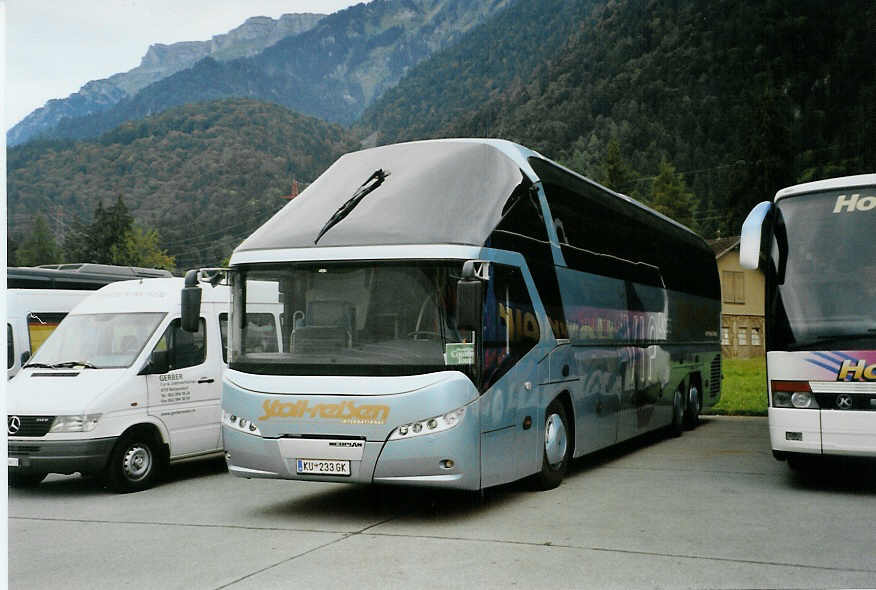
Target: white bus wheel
x=557 y=447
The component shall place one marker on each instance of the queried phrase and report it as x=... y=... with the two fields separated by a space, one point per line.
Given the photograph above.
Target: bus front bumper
x=449 y=459
x=828 y=432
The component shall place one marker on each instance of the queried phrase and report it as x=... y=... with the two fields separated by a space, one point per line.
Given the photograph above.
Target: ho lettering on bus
x=860 y=371
x=852 y=203
x=346 y=412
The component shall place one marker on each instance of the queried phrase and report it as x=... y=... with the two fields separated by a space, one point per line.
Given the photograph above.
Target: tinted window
x=223 y=333
x=40 y=326
x=10 y=348
x=511 y=328
x=184 y=349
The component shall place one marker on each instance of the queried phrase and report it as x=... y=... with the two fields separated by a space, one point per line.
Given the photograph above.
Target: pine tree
x=671 y=196
x=39 y=246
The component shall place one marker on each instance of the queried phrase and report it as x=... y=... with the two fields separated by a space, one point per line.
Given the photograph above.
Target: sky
x=53 y=47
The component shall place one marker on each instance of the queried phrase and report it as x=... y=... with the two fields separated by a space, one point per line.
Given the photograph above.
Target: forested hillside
x=203 y=175
x=742 y=98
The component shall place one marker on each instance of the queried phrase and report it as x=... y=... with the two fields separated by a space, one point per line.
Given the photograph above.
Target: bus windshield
x=824 y=253
x=361 y=319
x=114 y=340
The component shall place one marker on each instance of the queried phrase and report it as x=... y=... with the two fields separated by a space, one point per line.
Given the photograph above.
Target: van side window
x=10 y=347
x=511 y=327
x=183 y=349
x=223 y=334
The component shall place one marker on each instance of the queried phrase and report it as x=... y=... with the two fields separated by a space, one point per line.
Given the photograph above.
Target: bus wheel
x=693 y=407
x=677 y=413
x=557 y=449
x=134 y=464
x=25 y=480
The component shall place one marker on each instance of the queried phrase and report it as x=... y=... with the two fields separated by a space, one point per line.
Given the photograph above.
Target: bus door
x=509 y=443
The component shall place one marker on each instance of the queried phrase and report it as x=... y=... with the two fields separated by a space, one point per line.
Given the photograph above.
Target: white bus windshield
x=353 y=319
x=99 y=340
x=825 y=257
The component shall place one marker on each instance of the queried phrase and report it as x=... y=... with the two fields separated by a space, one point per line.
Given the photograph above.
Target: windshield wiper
x=366 y=187
x=71 y=364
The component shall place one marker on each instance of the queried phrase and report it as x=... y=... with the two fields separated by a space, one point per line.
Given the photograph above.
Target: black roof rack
x=78 y=276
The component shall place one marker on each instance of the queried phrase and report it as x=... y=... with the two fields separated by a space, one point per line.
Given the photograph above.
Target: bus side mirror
x=753 y=230
x=469 y=304
x=190 y=299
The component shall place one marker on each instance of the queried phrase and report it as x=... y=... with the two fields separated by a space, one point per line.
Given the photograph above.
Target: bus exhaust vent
x=715 y=376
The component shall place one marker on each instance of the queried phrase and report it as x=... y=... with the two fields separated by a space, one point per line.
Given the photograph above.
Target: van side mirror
x=190 y=299
x=753 y=234
x=469 y=304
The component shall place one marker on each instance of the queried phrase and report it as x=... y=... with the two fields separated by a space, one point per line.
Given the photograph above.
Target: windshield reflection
x=826 y=287
x=100 y=341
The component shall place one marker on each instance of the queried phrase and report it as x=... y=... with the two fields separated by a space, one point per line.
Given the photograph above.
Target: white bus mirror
x=752 y=235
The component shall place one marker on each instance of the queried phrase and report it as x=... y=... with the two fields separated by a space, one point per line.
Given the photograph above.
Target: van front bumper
x=59 y=456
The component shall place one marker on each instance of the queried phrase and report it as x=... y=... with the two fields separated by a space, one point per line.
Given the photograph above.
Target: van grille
x=28 y=425
x=715 y=376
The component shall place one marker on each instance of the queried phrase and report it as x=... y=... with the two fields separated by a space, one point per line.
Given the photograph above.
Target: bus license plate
x=322 y=467
x=13 y=461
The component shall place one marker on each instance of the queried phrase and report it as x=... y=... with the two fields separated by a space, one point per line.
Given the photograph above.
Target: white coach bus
x=464 y=313
x=816 y=244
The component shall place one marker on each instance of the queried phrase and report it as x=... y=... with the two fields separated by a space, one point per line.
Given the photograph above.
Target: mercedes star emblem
x=14 y=424
x=844 y=401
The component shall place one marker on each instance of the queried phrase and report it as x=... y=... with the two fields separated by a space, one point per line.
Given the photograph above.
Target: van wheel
x=693 y=407
x=134 y=464
x=25 y=480
x=557 y=448
x=677 y=425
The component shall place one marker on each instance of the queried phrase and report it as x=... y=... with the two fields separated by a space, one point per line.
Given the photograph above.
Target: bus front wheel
x=557 y=447
x=693 y=407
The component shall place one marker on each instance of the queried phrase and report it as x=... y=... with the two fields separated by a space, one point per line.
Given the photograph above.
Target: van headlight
x=241 y=423
x=429 y=425
x=78 y=423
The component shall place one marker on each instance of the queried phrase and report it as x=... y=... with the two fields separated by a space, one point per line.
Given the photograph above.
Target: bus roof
x=79 y=276
x=446 y=191
x=828 y=184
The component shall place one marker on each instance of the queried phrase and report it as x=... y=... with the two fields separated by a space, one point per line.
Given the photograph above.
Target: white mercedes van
x=119 y=390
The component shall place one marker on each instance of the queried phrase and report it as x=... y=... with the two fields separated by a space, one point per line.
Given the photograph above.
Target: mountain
x=332 y=71
x=743 y=98
x=161 y=61
x=204 y=175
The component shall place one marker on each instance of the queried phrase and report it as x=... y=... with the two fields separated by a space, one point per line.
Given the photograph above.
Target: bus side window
x=10 y=347
x=40 y=325
x=182 y=349
x=511 y=328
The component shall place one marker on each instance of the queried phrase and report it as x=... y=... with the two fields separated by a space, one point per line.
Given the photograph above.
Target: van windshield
x=368 y=319
x=100 y=340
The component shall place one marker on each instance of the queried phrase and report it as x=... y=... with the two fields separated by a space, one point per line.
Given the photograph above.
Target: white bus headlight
x=793 y=394
x=429 y=425
x=78 y=423
x=240 y=423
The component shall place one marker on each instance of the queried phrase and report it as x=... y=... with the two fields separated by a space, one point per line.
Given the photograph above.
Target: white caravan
x=119 y=390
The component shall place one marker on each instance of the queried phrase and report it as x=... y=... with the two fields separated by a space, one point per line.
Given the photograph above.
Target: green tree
x=615 y=173
x=671 y=196
x=140 y=248
x=39 y=246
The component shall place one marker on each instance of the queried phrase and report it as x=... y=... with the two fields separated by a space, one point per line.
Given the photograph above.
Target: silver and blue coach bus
x=461 y=314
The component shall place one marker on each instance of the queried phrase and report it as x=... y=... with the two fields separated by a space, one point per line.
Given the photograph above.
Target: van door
x=184 y=392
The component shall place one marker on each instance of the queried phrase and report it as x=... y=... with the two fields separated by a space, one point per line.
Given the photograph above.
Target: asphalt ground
x=711 y=509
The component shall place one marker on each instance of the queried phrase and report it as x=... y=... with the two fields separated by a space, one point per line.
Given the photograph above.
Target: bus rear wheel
x=677 y=425
x=557 y=448
x=693 y=407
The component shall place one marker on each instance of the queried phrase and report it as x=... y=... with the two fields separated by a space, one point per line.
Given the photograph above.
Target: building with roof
x=742 y=302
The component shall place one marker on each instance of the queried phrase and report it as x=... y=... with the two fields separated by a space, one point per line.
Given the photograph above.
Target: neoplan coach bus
x=815 y=244
x=464 y=313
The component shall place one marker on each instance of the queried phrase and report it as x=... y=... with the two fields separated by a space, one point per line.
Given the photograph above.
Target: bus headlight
x=79 y=423
x=793 y=394
x=429 y=425
x=241 y=423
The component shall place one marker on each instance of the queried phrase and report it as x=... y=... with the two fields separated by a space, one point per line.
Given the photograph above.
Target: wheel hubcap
x=555 y=440
x=694 y=401
x=137 y=462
